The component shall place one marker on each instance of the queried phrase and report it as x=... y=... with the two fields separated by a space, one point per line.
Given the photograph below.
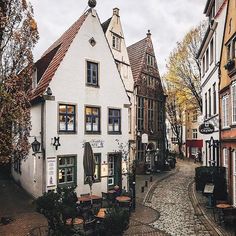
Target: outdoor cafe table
x=88 y=198
x=123 y=199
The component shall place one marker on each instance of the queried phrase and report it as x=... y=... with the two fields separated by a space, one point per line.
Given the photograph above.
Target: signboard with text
x=206 y=128
x=51 y=172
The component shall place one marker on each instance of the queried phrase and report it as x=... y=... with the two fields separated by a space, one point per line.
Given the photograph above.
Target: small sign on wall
x=104 y=170
x=51 y=172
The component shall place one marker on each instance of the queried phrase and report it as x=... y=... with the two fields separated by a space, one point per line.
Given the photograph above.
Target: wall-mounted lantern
x=35 y=146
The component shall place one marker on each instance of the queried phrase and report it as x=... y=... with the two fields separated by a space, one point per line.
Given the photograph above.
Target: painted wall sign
x=95 y=143
x=51 y=172
x=206 y=128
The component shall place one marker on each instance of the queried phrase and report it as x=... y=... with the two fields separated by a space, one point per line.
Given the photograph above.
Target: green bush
x=212 y=174
x=115 y=222
x=57 y=207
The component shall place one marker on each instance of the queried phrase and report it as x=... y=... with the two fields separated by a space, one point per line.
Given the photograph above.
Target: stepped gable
x=136 y=54
x=53 y=56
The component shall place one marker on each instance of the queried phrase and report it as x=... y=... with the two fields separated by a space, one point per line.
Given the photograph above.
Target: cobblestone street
x=171 y=199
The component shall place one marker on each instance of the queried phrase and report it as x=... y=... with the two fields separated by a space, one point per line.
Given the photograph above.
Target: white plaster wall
x=212 y=77
x=68 y=86
x=31 y=177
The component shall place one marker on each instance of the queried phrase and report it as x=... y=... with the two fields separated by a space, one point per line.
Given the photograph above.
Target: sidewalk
x=208 y=214
x=143 y=215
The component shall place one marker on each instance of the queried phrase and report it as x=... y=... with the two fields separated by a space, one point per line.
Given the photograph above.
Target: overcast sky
x=168 y=20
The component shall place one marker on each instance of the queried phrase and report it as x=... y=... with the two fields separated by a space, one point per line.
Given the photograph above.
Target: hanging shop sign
x=206 y=128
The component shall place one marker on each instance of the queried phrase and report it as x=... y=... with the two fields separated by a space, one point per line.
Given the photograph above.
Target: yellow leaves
x=33 y=24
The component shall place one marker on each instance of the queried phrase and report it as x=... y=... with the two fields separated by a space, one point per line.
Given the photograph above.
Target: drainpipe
x=43 y=148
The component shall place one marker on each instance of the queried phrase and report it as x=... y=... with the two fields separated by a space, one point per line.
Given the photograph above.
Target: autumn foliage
x=18 y=35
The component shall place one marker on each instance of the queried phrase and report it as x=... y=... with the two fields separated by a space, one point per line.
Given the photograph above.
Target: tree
x=174 y=109
x=184 y=69
x=18 y=36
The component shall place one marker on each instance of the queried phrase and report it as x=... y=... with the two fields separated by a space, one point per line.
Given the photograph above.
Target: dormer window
x=116 y=42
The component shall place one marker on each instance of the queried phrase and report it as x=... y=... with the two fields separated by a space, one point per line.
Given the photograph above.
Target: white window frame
x=233 y=102
x=225 y=157
x=225 y=111
x=116 y=42
x=194 y=133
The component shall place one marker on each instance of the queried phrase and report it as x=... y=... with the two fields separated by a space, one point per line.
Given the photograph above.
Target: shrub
x=116 y=221
x=57 y=207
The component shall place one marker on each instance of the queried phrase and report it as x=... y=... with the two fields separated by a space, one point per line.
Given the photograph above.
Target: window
x=174 y=140
x=17 y=165
x=150 y=115
x=203 y=65
x=114 y=121
x=66 y=118
x=92 y=73
x=214 y=98
x=116 y=42
x=151 y=81
x=209 y=101
x=195 y=115
x=140 y=151
x=67 y=170
x=150 y=60
x=206 y=106
x=92 y=117
x=140 y=111
x=211 y=51
x=233 y=98
x=111 y=170
x=97 y=172
x=194 y=132
x=225 y=157
x=229 y=51
x=225 y=111
x=207 y=59
x=160 y=119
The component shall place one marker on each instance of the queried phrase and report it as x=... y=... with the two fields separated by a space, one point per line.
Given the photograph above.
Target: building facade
x=150 y=131
x=78 y=96
x=115 y=37
x=227 y=95
x=209 y=55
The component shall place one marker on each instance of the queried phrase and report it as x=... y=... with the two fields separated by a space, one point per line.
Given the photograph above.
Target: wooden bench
x=229 y=215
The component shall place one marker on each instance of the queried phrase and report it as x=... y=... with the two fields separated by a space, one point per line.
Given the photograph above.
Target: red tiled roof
x=53 y=56
x=137 y=52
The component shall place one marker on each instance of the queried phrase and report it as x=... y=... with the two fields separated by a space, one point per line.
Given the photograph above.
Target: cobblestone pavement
x=17 y=204
x=172 y=201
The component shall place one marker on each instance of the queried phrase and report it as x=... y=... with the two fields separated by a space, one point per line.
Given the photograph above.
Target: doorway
x=114 y=170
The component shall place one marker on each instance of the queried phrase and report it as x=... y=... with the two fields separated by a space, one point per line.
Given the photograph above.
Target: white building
x=209 y=55
x=87 y=103
x=115 y=37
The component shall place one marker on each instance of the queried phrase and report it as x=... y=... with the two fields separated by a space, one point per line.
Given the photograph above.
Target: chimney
x=149 y=34
x=116 y=11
